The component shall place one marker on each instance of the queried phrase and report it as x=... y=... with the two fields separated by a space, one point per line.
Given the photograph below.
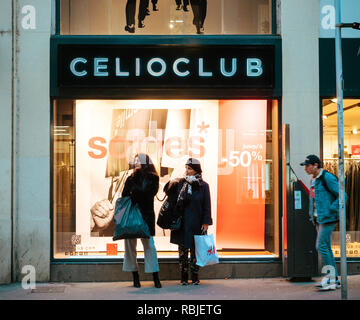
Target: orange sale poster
x=241 y=185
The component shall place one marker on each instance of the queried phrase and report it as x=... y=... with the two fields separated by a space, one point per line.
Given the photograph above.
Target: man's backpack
x=323 y=181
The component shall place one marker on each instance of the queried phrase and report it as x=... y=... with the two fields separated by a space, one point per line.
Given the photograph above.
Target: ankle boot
x=184 y=278
x=156 y=280
x=136 y=279
x=130 y=29
x=195 y=279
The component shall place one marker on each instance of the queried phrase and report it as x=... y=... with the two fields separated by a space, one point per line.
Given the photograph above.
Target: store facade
x=221 y=95
x=215 y=98
x=328 y=107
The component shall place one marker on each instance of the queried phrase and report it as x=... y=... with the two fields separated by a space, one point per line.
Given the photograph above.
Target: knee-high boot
x=136 y=279
x=157 y=282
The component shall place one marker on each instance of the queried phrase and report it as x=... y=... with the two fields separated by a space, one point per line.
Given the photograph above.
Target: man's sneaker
x=326 y=284
x=327 y=287
x=323 y=280
x=338 y=284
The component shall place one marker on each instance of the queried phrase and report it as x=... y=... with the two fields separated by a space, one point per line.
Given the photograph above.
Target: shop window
x=103 y=17
x=235 y=140
x=352 y=167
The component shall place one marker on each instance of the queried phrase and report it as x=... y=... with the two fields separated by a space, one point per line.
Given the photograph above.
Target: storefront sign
x=170 y=66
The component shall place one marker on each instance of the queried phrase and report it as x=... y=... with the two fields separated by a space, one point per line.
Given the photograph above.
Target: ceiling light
x=324 y=116
x=334 y=100
x=354 y=131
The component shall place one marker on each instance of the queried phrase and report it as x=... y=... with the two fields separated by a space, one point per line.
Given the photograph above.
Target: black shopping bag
x=167 y=218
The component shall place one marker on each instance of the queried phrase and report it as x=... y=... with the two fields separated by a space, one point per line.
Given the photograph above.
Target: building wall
x=5 y=141
x=300 y=56
x=29 y=134
x=33 y=140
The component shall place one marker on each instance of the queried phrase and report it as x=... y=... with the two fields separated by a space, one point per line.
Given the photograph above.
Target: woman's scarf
x=192 y=180
x=190 y=183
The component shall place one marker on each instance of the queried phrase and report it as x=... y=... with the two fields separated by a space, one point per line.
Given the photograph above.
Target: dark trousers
x=143 y=5
x=199 y=8
x=131 y=8
x=185 y=263
x=152 y=1
x=185 y=2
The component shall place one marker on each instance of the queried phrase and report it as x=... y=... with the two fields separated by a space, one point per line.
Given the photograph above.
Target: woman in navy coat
x=193 y=203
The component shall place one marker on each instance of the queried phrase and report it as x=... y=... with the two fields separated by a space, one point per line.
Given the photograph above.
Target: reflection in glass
x=165 y=17
x=63 y=176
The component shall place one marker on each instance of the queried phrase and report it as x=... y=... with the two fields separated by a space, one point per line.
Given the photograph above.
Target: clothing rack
x=352 y=187
x=346 y=159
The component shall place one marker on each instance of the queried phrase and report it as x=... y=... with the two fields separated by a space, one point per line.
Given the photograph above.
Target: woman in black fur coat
x=142 y=186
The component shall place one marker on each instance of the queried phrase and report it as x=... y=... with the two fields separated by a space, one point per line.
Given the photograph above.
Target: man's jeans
x=323 y=244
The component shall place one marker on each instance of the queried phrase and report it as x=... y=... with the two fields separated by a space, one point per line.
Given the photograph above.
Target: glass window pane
x=173 y=17
x=64 y=178
x=352 y=167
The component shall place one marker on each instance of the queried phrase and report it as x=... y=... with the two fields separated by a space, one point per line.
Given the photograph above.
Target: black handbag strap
x=120 y=183
x=162 y=199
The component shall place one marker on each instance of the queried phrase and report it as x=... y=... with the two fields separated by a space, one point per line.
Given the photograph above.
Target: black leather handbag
x=168 y=219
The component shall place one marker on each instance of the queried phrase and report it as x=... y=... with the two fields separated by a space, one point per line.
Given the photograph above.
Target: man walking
x=324 y=213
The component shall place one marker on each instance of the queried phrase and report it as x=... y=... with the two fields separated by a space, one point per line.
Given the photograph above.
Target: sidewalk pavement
x=209 y=289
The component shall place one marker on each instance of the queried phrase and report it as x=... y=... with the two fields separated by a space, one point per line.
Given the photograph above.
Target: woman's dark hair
x=147 y=165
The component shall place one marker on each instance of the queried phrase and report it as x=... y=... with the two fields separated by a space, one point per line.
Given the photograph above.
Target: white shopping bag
x=205 y=250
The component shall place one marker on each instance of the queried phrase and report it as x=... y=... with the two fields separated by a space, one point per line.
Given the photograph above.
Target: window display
x=352 y=167
x=165 y=17
x=94 y=141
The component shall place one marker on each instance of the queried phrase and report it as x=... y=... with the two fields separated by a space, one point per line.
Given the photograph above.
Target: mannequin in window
x=199 y=8
x=130 y=14
x=154 y=5
x=184 y=5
